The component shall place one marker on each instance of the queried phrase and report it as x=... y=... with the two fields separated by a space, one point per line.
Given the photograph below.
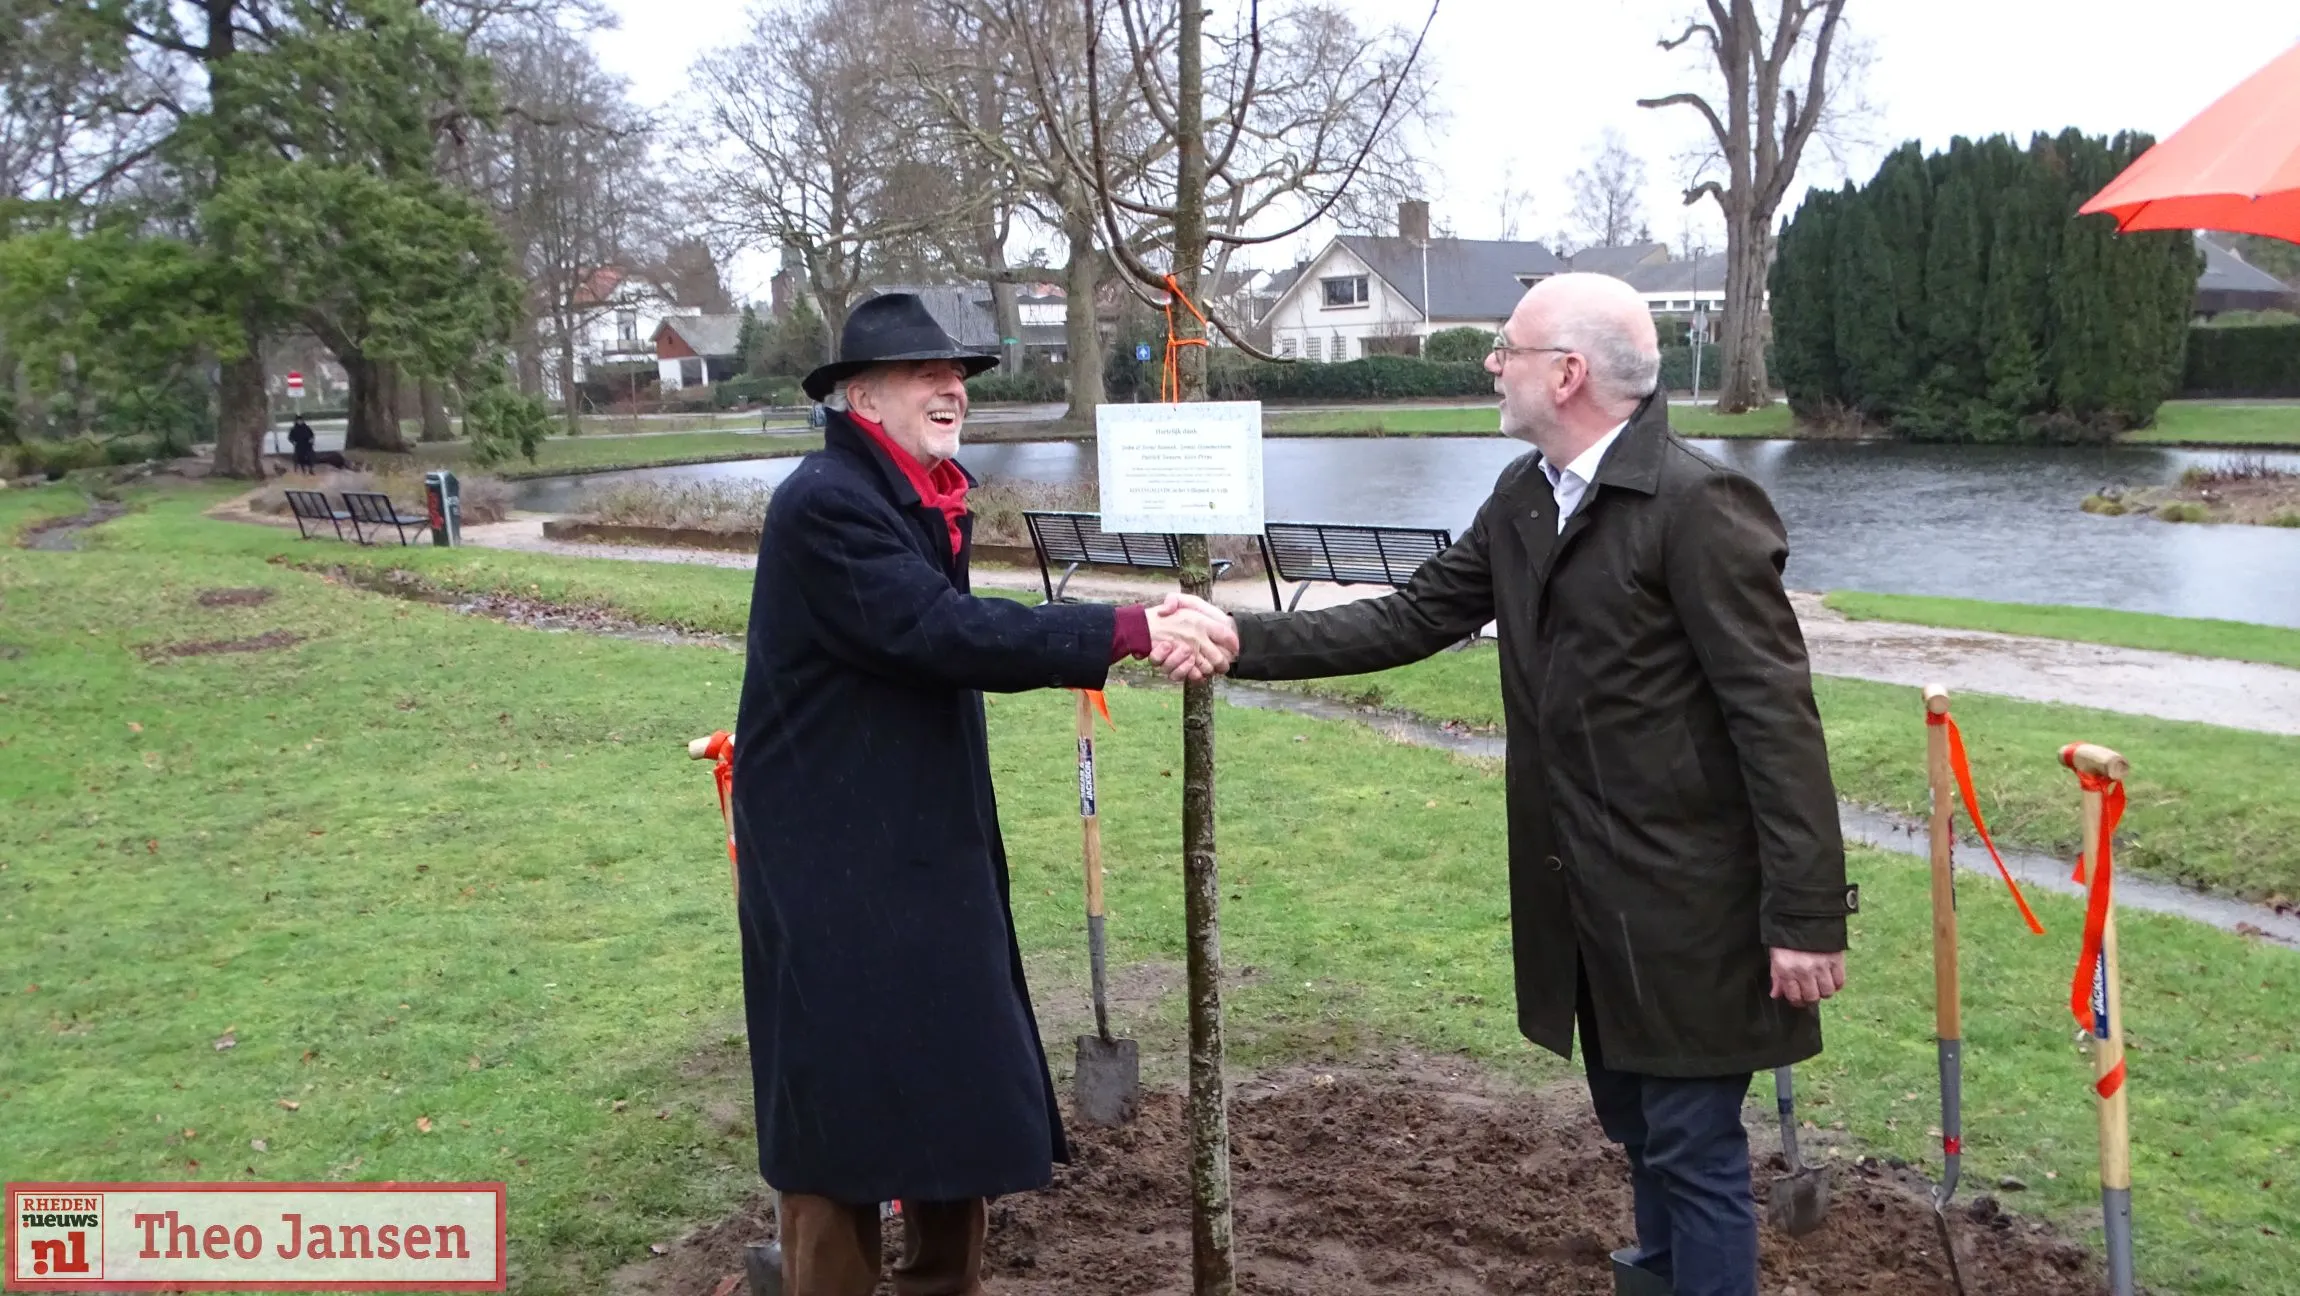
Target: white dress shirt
x=1571 y=485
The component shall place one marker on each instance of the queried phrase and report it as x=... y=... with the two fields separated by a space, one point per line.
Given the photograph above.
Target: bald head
x=1577 y=356
x=1605 y=320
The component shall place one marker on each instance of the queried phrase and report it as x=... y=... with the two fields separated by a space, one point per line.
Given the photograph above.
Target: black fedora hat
x=888 y=328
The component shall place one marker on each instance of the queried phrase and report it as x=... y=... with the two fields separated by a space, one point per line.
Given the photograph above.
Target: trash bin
x=443 y=500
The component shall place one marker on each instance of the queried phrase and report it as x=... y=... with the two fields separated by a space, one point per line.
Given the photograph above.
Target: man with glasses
x=1677 y=879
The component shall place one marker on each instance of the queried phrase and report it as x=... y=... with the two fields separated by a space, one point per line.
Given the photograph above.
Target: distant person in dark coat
x=894 y=1052
x=301 y=437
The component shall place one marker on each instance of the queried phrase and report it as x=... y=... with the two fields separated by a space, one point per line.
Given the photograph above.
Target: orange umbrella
x=2236 y=167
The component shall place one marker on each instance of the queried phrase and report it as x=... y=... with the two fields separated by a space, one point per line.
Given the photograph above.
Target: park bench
x=375 y=509
x=1344 y=554
x=1077 y=539
x=312 y=506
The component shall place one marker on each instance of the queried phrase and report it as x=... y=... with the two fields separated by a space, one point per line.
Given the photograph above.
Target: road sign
x=1142 y=351
x=1009 y=341
x=295 y=384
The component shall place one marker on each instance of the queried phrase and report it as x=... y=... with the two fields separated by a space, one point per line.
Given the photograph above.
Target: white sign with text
x=1192 y=469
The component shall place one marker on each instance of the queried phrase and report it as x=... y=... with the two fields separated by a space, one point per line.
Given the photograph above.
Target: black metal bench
x=375 y=509
x=1341 y=554
x=1077 y=539
x=312 y=506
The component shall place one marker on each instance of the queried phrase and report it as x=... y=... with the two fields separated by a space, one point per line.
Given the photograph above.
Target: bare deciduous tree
x=1774 y=84
x=566 y=172
x=1608 y=194
x=809 y=142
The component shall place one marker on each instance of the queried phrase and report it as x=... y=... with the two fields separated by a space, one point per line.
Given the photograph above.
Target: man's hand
x=1805 y=978
x=1191 y=639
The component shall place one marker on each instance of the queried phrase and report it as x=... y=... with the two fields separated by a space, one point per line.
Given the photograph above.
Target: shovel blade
x=1107 y=1088
x=1799 y=1202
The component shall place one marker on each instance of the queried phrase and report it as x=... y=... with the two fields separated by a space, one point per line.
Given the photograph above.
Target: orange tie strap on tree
x=2097 y=998
x=1170 y=384
x=1962 y=769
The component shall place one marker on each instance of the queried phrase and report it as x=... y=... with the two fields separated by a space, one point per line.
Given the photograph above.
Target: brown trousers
x=831 y=1248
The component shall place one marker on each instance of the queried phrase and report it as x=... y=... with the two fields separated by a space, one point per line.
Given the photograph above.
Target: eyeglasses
x=1502 y=347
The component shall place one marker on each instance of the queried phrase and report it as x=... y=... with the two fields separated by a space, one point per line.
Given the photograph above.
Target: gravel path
x=2232 y=694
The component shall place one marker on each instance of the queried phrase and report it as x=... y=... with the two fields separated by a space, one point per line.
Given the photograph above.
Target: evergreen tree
x=1872 y=349
x=1948 y=348
x=1901 y=199
x=1803 y=308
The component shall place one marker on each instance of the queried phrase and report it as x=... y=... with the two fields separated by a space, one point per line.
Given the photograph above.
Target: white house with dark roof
x=1363 y=289
x=1677 y=289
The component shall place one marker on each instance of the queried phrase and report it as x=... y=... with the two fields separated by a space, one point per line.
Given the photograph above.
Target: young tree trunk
x=374 y=421
x=436 y=425
x=243 y=413
x=1082 y=335
x=1212 y=1269
x=1744 y=385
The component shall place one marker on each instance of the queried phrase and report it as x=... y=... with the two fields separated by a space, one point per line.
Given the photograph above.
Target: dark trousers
x=1688 y=1169
x=831 y=1248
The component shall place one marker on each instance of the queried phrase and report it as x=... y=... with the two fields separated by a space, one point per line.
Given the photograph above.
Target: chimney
x=1414 y=220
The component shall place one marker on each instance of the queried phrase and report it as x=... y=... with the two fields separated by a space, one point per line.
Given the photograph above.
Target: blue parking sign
x=1142 y=351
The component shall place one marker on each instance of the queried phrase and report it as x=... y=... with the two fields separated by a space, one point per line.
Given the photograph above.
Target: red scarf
x=943 y=488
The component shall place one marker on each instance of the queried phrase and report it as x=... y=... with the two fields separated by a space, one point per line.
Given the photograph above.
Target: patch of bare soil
x=268 y=641
x=1411 y=1180
x=249 y=597
x=63 y=533
x=519 y=609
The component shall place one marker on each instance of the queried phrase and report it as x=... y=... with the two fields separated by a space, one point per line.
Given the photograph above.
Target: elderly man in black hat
x=894 y=1053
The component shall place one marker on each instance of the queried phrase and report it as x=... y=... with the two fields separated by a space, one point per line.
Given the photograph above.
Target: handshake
x=1191 y=639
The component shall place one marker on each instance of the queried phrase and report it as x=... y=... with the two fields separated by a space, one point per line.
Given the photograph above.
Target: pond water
x=1977 y=522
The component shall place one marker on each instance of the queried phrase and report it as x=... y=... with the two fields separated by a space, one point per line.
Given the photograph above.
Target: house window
x=1348 y=290
x=1681 y=305
x=1314 y=348
x=627 y=326
x=1287 y=347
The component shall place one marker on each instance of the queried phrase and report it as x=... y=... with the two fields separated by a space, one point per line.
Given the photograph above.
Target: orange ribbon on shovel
x=1963 y=770
x=2083 y=996
x=719 y=749
x=1101 y=704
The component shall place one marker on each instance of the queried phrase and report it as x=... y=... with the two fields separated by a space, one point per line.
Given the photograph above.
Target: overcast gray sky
x=1527 y=86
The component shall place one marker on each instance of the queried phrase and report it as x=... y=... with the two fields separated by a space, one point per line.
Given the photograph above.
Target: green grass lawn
x=2218 y=808
x=454 y=892
x=607 y=453
x=2198 y=637
x=2204 y=423
x=1692 y=421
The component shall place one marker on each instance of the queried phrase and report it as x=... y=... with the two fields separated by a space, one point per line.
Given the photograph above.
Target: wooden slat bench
x=375 y=509
x=312 y=506
x=1077 y=540
x=1345 y=554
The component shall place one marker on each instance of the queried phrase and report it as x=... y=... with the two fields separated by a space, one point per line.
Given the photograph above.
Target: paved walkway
x=2235 y=695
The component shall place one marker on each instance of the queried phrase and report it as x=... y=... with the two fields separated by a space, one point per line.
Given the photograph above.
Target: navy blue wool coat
x=894 y=1053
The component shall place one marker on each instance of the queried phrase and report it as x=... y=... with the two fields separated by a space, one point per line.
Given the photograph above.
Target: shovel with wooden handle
x=2103 y=773
x=1107 y=1085
x=1948 y=1009
x=762 y=1261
